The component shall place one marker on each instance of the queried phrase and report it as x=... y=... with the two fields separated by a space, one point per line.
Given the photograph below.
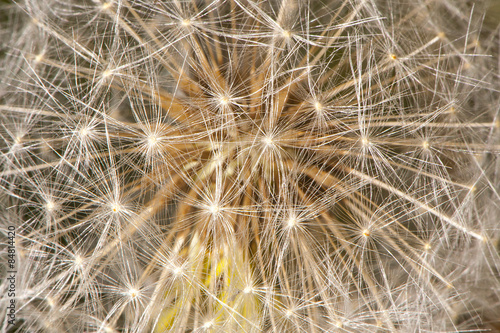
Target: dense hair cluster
x=251 y=165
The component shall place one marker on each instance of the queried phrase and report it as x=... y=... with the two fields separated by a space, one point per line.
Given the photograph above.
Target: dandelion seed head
x=107 y=73
x=50 y=301
x=39 y=57
x=152 y=140
x=365 y=142
x=78 y=261
x=84 y=132
x=177 y=271
x=214 y=209
x=109 y=329
x=292 y=222
x=318 y=107
x=184 y=140
x=115 y=207
x=208 y=324
x=133 y=293
x=218 y=157
x=106 y=5
x=50 y=206
x=224 y=100
x=268 y=141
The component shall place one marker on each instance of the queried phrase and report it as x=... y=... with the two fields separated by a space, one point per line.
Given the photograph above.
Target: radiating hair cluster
x=251 y=165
